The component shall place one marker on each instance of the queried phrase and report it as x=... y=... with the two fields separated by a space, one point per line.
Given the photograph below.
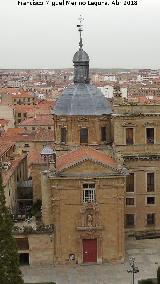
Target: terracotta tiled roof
x=25 y=108
x=3 y=122
x=21 y=135
x=22 y=95
x=8 y=90
x=83 y=153
x=39 y=120
x=149 y=99
x=14 y=164
x=4 y=147
x=34 y=157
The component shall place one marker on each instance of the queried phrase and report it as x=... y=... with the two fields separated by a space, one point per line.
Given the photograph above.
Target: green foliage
x=158 y=275
x=9 y=265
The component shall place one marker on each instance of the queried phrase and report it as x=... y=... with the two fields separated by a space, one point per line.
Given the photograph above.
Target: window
x=103 y=134
x=33 y=128
x=84 y=135
x=130 y=183
x=19 y=114
x=150 y=219
x=63 y=135
x=89 y=192
x=26 y=145
x=19 y=120
x=150 y=135
x=129 y=201
x=129 y=136
x=25 y=114
x=150 y=182
x=49 y=127
x=150 y=200
x=129 y=220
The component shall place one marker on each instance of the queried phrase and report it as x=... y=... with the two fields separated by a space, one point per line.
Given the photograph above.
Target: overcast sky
x=47 y=37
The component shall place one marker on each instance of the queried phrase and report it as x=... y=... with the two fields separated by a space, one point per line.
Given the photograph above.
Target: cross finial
x=80 y=29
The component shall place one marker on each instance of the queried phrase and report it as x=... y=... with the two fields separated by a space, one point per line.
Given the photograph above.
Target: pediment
x=89 y=168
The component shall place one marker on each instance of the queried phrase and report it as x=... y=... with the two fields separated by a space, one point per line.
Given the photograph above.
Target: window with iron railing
x=89 y=193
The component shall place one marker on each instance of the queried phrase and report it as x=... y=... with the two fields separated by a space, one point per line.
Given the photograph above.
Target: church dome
x=82 y=99
x=80 y=56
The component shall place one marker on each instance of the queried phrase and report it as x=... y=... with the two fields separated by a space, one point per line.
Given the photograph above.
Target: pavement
x=147 y=257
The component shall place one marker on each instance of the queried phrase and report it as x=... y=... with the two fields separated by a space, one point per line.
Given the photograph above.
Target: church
x=102 y=181
x=83 y=196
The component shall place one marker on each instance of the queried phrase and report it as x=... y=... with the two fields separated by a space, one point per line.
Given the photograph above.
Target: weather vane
x=80 y=29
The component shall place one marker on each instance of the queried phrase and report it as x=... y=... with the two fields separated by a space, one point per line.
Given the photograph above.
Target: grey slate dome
x=80 y=56
x=82 y=99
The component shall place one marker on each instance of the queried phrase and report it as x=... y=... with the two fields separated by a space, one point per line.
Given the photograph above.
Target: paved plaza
x=146 y=253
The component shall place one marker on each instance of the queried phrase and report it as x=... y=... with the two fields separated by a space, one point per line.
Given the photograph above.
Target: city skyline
x=47 y=37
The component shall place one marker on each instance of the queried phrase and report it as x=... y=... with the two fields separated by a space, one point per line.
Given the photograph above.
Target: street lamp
x=133 y=268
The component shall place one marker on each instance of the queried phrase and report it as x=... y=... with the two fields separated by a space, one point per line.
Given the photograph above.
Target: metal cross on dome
x=80 y=29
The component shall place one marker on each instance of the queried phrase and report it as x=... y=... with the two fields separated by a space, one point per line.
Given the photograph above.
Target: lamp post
x=133 y=268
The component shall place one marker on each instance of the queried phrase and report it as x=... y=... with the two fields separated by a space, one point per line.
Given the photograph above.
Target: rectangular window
x=33 y=128
x=89 y=192
x=130 y=183
x=103 y=134
x=150 y=135
x=63 y=135
x=19 y=114
x=26 y=145
x=150 y=182
x=129 y=220
x=129 y=201
x=84 y=135
x=25 y=114
x=150 y=200
x=150 y=219
x=129 y=136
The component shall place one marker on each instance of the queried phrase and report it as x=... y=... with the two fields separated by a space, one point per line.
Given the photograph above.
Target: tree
x=9 y=264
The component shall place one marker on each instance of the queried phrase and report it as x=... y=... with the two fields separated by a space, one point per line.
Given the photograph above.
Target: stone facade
x=63 y=205
x=141 y=157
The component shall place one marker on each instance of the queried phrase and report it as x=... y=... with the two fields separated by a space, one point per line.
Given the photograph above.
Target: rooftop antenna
x=80 y=29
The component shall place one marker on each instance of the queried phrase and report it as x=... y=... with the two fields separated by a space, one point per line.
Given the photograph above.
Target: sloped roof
x=81 y=154
x=39 y=120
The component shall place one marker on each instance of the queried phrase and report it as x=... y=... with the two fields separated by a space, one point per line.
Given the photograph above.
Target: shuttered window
x=63 y=135
x=129 y=136
x=150 y=182
x=130 y=183
x=84 y=135
x=103 y=134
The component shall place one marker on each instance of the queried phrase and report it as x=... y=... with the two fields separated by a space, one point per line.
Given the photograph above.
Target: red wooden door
x=90 y=250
